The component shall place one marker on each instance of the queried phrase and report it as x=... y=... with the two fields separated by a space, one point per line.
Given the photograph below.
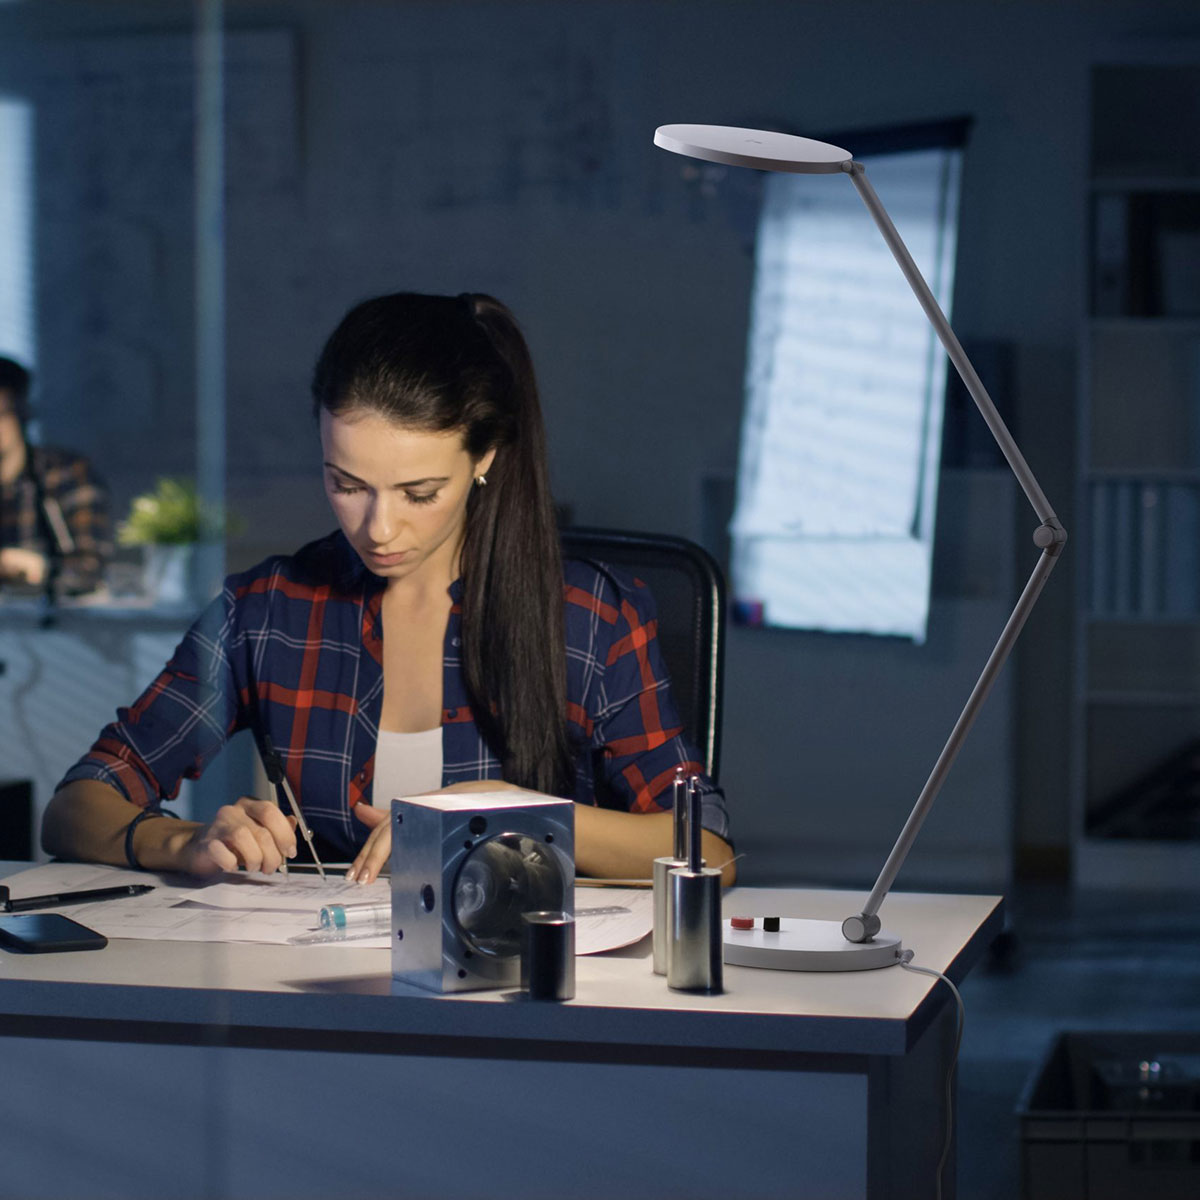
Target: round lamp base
x=802 y=945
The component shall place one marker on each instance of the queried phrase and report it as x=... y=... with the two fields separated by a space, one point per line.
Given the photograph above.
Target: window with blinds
x=841 y=439
x=17 y=331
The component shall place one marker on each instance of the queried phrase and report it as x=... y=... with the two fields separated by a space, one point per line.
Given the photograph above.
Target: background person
x=435 y=640
x=55 y=527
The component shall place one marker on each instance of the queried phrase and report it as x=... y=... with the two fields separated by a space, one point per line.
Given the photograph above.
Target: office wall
x=507 y=148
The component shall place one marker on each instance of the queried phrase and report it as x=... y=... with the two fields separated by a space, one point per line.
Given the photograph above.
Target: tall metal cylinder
x=694 y=932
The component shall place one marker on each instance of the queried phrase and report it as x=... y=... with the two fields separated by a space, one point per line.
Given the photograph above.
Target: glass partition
x=111 y=271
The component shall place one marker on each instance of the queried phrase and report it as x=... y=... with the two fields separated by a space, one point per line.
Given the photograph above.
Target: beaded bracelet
x=129 y=855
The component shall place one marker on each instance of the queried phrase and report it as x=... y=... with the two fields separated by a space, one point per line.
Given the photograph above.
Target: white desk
x=176 y=1069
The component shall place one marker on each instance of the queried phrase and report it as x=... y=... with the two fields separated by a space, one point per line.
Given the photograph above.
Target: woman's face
x=399 y=494
x=10 y=426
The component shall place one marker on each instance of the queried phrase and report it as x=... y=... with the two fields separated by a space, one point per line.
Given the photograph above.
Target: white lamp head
x=757 y=148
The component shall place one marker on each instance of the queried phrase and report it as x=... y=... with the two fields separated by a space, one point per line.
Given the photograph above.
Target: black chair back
x=16 y=819
x=689 y=592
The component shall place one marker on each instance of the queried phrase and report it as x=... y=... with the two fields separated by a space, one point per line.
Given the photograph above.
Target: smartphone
x=40 y=933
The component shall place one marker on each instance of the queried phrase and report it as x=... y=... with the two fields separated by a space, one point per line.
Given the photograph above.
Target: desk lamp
x=858 y=943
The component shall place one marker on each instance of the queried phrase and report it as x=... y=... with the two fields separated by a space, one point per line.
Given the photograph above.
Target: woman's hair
x=439 y=363
x=17 y=381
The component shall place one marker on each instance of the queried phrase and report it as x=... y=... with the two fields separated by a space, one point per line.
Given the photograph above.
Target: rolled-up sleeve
x=178 y=724
x=633 y=718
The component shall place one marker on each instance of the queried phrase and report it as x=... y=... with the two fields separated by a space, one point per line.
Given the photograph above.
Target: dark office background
x=506 y=147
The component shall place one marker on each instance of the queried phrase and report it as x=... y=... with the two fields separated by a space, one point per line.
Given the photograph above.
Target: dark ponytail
x=438 y=363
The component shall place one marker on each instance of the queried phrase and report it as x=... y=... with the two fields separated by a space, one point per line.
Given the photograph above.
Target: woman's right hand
x=252 y=834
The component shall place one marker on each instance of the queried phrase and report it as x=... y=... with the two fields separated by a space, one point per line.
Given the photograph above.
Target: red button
x=741 y=922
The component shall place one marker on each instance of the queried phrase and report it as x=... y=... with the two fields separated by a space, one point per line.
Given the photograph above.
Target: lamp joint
x=860 y=928
x=1050 y=536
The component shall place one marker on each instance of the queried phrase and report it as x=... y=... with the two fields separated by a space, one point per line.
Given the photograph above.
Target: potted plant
x=168 y=522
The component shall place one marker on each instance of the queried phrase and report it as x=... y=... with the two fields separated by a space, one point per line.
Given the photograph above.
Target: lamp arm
x=1050 y=537
x=957 y=355
x=864 y=926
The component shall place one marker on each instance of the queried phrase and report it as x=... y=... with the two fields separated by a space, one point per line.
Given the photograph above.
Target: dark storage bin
x=1113 y=1116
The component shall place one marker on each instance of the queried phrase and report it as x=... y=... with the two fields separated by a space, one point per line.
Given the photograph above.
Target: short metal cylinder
x=661 y=868
x=548 y=955
x=694 y=931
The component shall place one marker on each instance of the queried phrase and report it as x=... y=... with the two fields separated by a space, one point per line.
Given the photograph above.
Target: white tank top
x=406 y=764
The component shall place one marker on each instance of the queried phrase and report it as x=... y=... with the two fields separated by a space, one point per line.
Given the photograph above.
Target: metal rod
x=209 y=284
x=695 y=861
x=214 y=787
x=958 y=735
x=680 y=810
x=958 y=356
x=210 y=252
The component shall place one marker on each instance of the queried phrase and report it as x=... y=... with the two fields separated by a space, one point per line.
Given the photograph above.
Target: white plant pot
x=168 y=573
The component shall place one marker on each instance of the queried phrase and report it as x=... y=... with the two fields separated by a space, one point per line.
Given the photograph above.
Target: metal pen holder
x=682 y=789
x=662 y=869
x=694 y=934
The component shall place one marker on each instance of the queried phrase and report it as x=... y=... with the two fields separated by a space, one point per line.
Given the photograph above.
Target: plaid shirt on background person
x=72 y=490
x=294 y=647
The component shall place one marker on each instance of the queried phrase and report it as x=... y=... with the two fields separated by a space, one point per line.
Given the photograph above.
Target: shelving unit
x=1136 y=733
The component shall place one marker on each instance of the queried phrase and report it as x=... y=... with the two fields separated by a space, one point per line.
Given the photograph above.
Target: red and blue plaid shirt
x=298 y=641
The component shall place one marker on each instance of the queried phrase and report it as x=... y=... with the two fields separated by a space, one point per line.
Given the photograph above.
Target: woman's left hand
x=378 y=847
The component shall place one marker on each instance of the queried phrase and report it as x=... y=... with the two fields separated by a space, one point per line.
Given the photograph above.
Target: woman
x=435 y=640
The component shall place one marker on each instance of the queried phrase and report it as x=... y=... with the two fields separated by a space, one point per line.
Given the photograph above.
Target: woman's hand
x=378 y=847
x=25 y=566
x=251 y=833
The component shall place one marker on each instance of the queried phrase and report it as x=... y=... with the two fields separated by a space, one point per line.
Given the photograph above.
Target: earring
x=481 y=481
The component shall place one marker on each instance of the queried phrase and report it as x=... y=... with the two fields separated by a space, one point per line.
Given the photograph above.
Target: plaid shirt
x=300 y=640
x=81 y=499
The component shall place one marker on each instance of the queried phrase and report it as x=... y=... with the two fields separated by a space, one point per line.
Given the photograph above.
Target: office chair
x=689 y=592
x=16 y=819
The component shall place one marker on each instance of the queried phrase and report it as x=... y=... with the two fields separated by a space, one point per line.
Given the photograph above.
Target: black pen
x=108 y=893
